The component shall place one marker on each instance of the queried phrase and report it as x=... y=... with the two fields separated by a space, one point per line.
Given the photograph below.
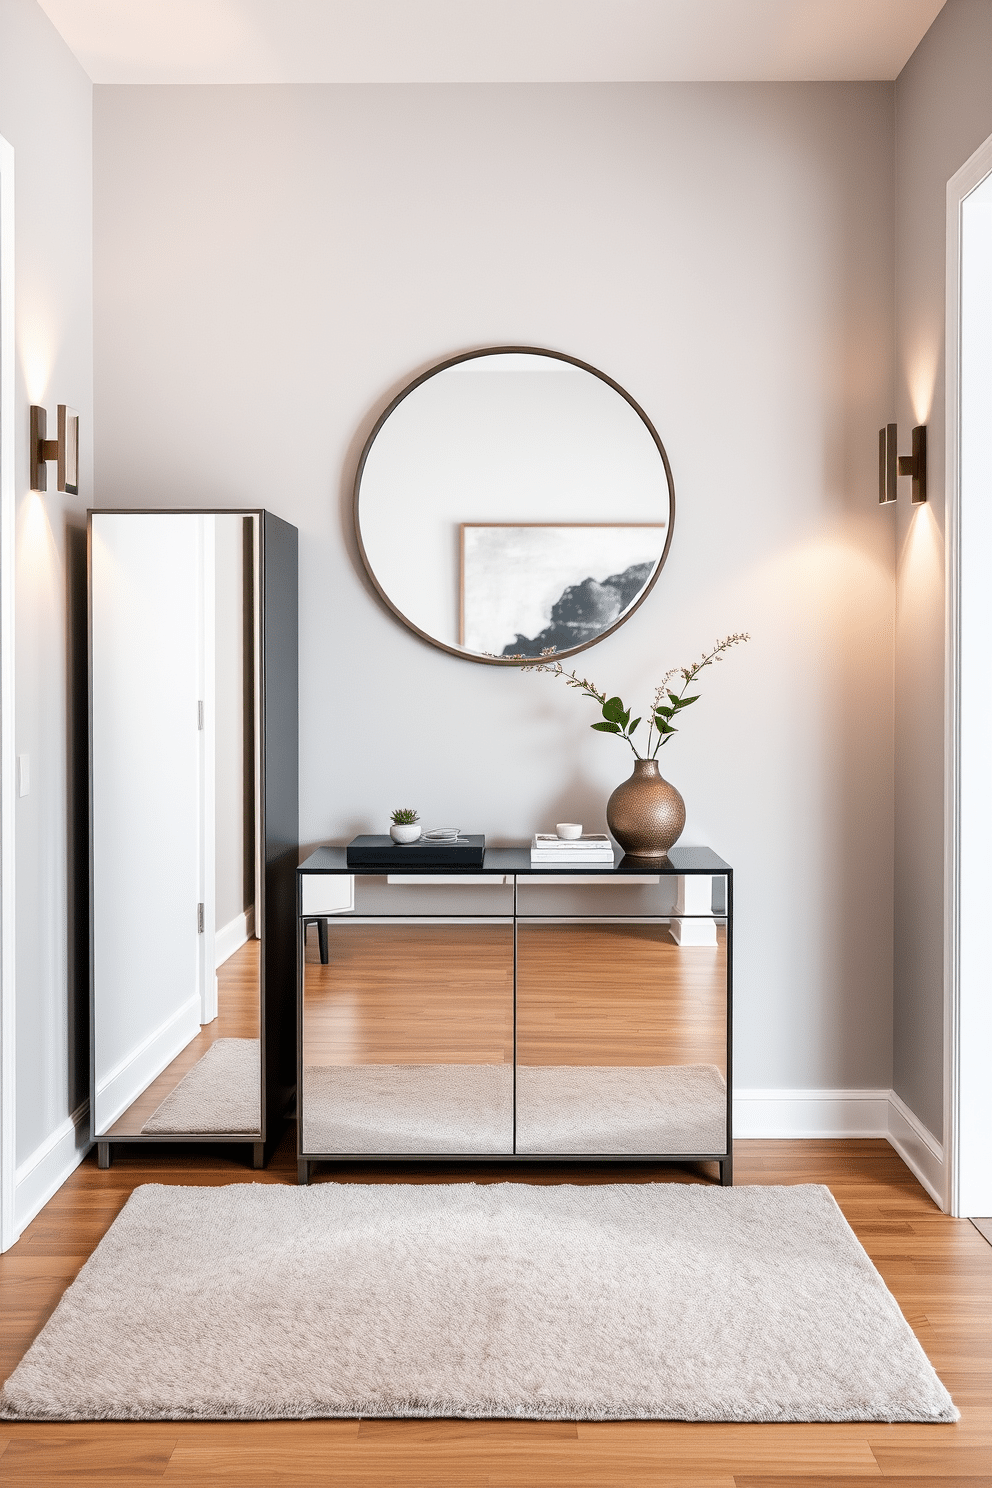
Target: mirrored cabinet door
x=180 y=871
x=621 y=1037
x=407 y=1035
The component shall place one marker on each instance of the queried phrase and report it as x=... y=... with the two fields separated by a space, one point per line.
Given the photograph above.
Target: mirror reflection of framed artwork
x=527 y=587
x=512 y=499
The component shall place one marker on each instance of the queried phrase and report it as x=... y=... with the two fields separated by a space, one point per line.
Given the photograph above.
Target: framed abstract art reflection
x=528 y=586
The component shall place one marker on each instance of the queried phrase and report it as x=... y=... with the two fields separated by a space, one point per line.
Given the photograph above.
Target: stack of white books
x=594 y=847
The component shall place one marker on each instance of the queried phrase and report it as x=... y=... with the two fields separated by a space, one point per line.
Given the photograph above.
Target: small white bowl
x=569 y=831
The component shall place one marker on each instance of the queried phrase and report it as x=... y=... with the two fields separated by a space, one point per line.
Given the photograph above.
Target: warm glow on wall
x=921 y=377
x=36 y=356
x=921 y=561
x=38 y=566
x=36 y=531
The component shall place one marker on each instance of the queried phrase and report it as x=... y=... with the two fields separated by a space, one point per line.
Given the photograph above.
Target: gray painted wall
x=46 y=114
x=273 y=263
x=943 y=113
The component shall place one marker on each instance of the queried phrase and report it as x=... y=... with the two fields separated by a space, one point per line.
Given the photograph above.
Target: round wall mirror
x=512 y=500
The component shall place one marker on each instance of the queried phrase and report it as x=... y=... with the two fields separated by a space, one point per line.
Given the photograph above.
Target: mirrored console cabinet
x=193 y=786
x=516 y=1013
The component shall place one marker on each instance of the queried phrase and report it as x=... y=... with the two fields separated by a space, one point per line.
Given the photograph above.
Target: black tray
x=422 y=856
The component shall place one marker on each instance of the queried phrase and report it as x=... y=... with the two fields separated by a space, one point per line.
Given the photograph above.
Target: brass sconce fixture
x=64 y=449
x=891 y=465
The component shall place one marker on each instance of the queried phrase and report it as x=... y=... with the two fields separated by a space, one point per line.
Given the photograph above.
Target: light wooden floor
x=438 y=994
x=939 y=1269
x=622 y=994
x=237 y=1017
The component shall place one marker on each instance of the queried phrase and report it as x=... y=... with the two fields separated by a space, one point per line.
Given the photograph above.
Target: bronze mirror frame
x=467 y=356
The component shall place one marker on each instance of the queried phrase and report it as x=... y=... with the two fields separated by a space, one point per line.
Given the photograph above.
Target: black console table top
x=500 y=861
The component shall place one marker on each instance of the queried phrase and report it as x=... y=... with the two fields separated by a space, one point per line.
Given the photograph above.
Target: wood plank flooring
x=940 y=1270
x=237 y=1017
x=437 y=994
x=620 y=994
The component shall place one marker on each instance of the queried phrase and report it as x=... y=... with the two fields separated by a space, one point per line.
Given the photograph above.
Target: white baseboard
x=844 y=1113
x=125 y=1082
x=918 y=1148
x=811 y=1113
x=692 y=932
x=232 y=936
x=50 y=1164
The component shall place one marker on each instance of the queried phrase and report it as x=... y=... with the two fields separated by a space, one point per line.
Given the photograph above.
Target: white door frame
x=967 y=771
x=8 y=1234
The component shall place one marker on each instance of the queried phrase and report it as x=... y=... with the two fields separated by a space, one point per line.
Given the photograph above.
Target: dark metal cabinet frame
x=504 y=863
x=278 y=825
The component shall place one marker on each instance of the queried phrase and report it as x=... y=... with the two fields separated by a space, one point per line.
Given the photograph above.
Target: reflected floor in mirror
x=587 y=993
x=410 y=994
x=620 y=1040
x=619 y=994
x=237 y=1020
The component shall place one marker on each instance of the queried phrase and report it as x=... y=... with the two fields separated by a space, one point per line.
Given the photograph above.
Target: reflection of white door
x=147 y=849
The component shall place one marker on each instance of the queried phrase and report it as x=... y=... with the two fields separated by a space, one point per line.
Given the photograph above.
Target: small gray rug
x=221 y=1093
x=408 y=1108
x=469 y=1108
x=609 y=1108
x=658 y=1301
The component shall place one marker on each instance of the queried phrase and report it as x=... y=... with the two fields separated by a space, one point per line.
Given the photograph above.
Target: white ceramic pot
x=569 y=831
x=407 y=833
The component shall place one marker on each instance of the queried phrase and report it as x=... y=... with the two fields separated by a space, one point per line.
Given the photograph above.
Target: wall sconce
x=64 y=449
x=890 y=465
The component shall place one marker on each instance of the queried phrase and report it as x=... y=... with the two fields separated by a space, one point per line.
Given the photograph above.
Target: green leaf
x=607 y=728
x=676 y=700
x=663 y=712
x=632 y=727
x=684 y=702
x=663 y=727
x=613 y=710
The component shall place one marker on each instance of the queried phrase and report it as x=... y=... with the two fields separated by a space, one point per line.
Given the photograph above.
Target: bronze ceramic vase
x=646 y=814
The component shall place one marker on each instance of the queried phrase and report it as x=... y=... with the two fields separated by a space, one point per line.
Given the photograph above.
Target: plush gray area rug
x=984 y=1228
x=607 y=1108
x=408 y=1108
x=658 y=1301
x=469 y=1108
x=221 y=1093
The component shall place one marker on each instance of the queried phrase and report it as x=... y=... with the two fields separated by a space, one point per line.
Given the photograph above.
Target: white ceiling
x=394 y=41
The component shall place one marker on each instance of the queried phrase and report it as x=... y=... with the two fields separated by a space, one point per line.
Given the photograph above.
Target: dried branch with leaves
x=665 y=709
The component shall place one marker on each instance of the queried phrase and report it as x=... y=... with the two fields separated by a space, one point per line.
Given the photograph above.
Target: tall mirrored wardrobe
x=193 y=781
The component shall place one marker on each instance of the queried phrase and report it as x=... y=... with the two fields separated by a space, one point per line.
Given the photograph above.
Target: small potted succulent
x=406 y=825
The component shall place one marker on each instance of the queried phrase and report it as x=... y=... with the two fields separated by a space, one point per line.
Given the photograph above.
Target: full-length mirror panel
x=408 y=1036
x=621 y=1038
x=175 y=823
